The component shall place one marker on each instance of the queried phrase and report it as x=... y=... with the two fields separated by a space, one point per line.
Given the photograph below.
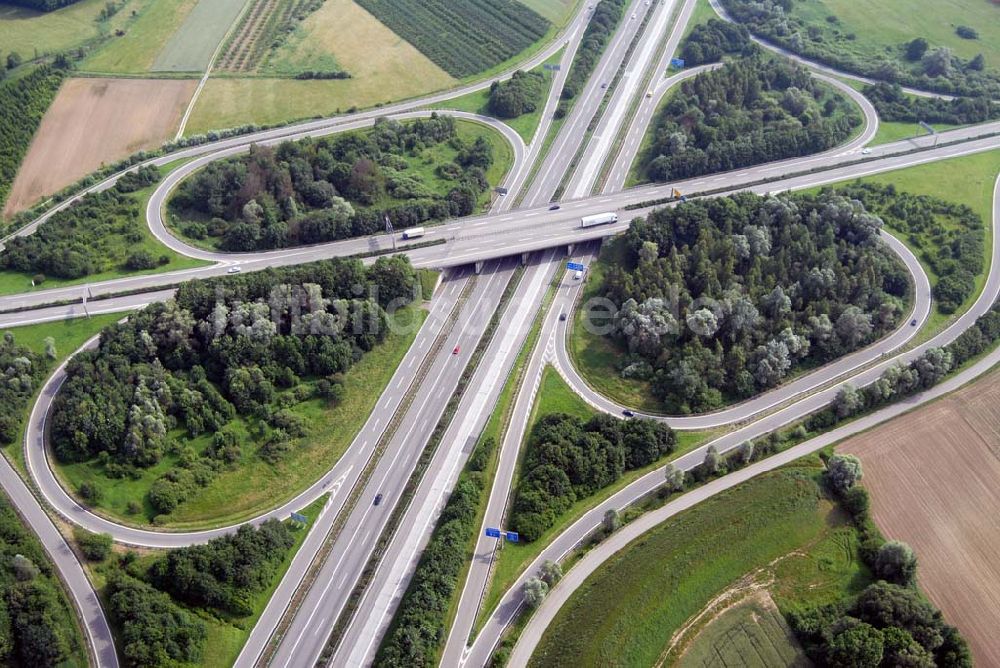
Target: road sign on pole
x=296 y=517
x=554 y=68
x=677 y=62
x=511 y=536
x=492 y=532
x=575 y=266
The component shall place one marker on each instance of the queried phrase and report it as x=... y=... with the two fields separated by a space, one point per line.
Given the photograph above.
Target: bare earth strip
x=94 y=122
x=934 y=477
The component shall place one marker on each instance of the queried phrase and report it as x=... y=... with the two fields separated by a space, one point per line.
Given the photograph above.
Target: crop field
x=464 y=37
x=914 y=467
x=557 y=12
x=627 y=611
x=257 y=31
x=751 y=633
x=135 y=51
x=93 y=122
x=190 y=48
x=339 y=35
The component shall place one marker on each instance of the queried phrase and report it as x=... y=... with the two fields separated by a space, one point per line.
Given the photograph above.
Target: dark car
x=628 y=413
x=913 y=323
x=378 y=499
x=554 y=207
x=562 y=317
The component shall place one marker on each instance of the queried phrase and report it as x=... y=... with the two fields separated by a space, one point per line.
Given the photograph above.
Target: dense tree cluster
x=949 y=236
x=708 y=42
x=309 y=191
x=36 y=620
x=96 y=234
x=154 y=631
x=419 y=625
x=601 y=26
x=21 y=372
x=893 y=104
x=252 y=345
x=751 y=111
x=463 y=37
x=225 y=573
x=23 y=102
x=521 y=94
x=890 y=624
x=569 y=459
x=43 y=5
x=722 y=298
x=915 y=63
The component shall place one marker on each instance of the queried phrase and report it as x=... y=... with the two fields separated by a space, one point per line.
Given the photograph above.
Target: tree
x=843 y=472
x=95 y=546
x=712 y=463
x=24 y=568
x=13 y=60
x=896 y=563
x=611 y=521
x=977 y=63
x=535 y=590
x=674 y=478
x=848 y=401
x=856 y=645
x=50 y=348
x=551 y=573
x=916 y=49
x=744 y=452
x=965 y=32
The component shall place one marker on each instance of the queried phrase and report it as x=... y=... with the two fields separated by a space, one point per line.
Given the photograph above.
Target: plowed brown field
x=934 y=478
x=94 y=122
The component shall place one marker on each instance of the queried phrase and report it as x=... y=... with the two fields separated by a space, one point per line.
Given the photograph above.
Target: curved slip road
x=566 y=541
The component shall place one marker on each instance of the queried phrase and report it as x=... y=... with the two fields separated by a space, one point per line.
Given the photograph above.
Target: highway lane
x=360 y=642
x=307 y=634
x=476 y=238
x=79 y=310
x=588 y=101
x=37 y=454
x=583 y=179
x=567 y=540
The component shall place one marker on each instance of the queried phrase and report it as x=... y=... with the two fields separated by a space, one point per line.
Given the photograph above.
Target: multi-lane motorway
x=384 y=453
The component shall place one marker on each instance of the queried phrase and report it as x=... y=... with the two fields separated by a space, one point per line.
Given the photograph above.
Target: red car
x=455 y=351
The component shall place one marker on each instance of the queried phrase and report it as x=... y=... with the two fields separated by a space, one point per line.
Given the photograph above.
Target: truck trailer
x=599 y=219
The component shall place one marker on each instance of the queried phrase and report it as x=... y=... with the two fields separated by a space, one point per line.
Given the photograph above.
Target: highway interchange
x=385 y=451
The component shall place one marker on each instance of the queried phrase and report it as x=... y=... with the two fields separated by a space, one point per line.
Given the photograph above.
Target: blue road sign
x=575 y=266
x=512 y=536
x=677 y=62
x=492 y=533
x=296 y=517
x=553 y=68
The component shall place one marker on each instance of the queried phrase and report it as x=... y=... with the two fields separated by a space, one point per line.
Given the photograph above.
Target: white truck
x=413 y=233
x=598 y=219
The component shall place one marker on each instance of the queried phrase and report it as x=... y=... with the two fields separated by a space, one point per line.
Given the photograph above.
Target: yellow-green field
x=558 y=12
x=383 y=68
x=191 y=45
x=136 y=50
x=29 y=32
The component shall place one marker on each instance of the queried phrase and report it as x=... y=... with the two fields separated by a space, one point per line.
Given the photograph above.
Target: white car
x=234 y=270
x=865 y=151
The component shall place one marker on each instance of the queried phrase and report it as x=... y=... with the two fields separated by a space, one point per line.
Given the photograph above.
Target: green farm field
x=137 y=49
x=777 y=525
x=557 y=12
x=190 y=47
x=254 y=486
x=32 y=33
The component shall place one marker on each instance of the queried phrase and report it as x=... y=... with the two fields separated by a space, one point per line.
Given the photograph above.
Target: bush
x=94 y=546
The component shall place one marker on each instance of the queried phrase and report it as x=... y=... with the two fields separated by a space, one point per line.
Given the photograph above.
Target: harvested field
x=190 y=48
x=94 y=122
x=934 y=478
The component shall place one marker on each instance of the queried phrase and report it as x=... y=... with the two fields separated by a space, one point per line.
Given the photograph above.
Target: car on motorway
x=562 y=317
x=913 y=323
x=455 y=351
x=604 y=85
x=649 y=93
x=378 y=499
x=628 y=413
x=865 y=151
x=234 y=270
x=554 y=207
x=577 y=276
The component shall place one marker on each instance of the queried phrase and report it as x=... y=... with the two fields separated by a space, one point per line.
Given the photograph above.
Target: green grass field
x=891 y=131
x=626 y=612
x=135 y=51
x=478 y=102
x=190 y=47
x=13 y=282
x=890 y=23
x=555 y=396
x=558 y=12
x=967 y=180
x=32 y=33
x=69 y=335
x=254 y=486
x=748 y=634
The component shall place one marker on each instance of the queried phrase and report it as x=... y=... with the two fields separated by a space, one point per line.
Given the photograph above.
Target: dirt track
x=934 y=477
x=94 y=122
